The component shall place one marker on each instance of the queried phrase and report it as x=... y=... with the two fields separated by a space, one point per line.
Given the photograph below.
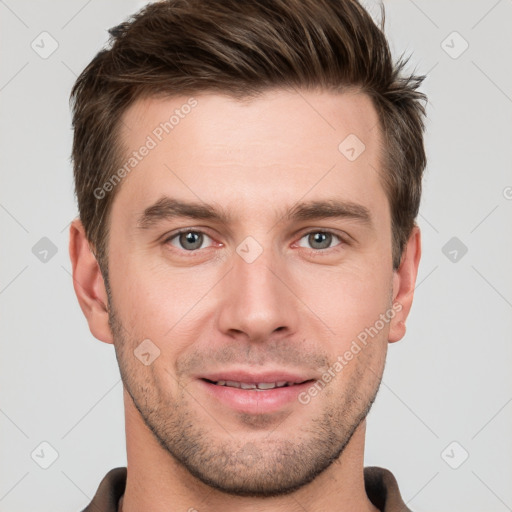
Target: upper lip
x=255 y=378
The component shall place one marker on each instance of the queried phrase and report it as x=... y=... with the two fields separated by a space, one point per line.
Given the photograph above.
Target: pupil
x=191 y=238
x=321 y=238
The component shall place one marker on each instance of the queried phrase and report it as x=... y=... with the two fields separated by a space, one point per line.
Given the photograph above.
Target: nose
x=257 y=300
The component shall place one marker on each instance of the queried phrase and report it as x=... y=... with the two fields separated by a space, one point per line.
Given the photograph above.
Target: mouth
x=255 y=394
x=255 y=386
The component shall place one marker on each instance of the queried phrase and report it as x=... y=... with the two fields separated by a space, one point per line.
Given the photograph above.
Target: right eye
x=187 y=239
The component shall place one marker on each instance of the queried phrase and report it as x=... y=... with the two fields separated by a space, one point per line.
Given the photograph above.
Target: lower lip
x=251 y=401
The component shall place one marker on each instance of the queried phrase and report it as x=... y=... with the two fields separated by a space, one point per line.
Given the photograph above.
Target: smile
x=258 y=386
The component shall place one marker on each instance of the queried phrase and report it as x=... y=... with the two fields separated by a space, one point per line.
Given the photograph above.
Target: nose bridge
x=256 y=300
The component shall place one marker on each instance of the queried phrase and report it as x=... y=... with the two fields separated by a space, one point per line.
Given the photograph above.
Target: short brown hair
x=241 y=48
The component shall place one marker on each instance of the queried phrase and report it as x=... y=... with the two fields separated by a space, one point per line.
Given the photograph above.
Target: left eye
x=320 y=239
x=189 y=240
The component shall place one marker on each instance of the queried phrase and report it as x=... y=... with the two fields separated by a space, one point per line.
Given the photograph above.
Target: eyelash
x=316 y=252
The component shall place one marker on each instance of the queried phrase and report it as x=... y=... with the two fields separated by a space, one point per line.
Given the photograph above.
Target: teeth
x=259 y=385
x=266 y=385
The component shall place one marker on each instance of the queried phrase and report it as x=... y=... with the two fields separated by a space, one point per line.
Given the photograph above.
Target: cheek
x=349 y=299
x=155 y=301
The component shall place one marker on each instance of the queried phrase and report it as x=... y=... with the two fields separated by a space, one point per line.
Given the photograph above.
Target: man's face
x=259 y=296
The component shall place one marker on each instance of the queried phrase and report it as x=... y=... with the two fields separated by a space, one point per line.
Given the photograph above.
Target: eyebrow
x=167 y=208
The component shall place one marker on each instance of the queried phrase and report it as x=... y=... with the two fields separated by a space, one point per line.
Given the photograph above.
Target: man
x=248 y=175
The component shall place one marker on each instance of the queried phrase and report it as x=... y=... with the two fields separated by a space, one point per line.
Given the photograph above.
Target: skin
x=297 y=306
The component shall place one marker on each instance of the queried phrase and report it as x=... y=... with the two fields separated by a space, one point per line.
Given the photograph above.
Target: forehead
x=293 y=115
x=273 y=149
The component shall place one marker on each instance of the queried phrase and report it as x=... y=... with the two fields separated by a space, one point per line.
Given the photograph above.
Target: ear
x=88 y=283
x=404 y=281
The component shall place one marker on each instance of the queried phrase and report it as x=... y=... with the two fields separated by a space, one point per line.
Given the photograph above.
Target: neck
x=157 y=482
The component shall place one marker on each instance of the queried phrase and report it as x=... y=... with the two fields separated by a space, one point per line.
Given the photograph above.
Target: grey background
x=448 y=381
